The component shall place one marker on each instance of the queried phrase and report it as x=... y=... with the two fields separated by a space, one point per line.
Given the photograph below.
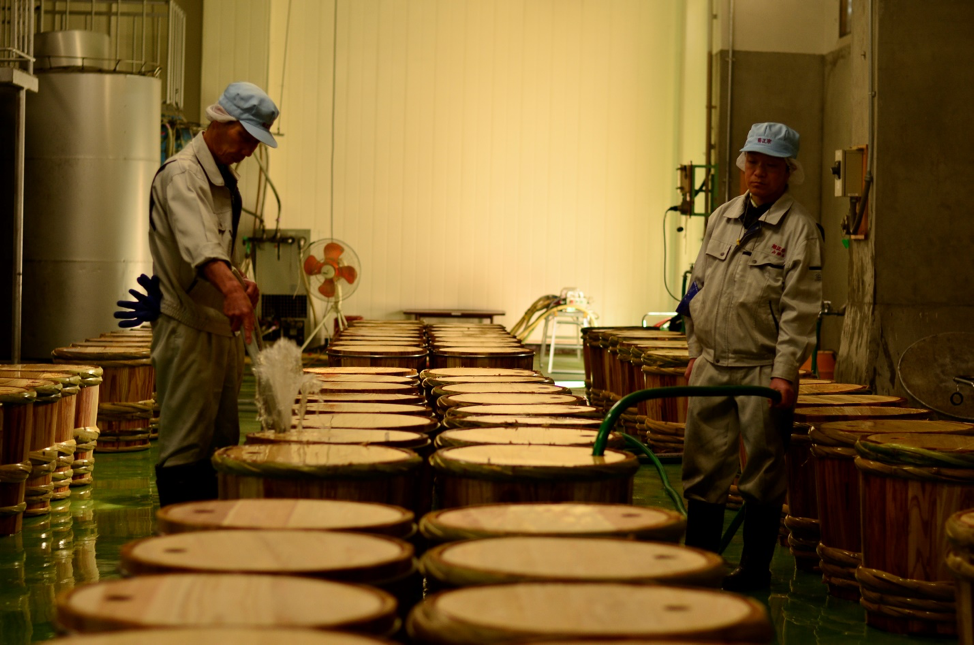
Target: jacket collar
x=207 y=162
x=774 y=214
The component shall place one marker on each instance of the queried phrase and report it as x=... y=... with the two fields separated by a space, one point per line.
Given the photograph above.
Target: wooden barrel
x=500 y=398
x=364 y=388
x=911 y=484
x=453 y=415
x=802 y=521
x=503 y=560
x=43 y=453
x=287 y=514
x=553 y=520
x=16 y=430
x=602 y=611
x=375 y=560
x=367 y=378
x=349 y=355
x=365 y=408
x=511 y=358
x=826 y=414
x=823 y=400
x=837 y=490
x=415 y=441
x=960 y=560
x=314 y=471
x=403 y=422
x=805 y=388
x=125 y=396
x=219 y=600
x=391 y=371
x=366 y=397
x=495 y=420
x=492 y=474
x=499 y=388
x=219 y=635
x=445 y=381
x=524 y=436
x=467 y=372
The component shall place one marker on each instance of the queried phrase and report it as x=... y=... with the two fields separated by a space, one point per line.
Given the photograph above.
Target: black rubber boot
x=761 y=523
x=705 y=523
x=186 y=483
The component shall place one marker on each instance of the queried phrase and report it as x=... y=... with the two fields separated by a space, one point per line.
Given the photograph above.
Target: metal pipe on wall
x=710 y=108
x=18 y=227
x=730 y=102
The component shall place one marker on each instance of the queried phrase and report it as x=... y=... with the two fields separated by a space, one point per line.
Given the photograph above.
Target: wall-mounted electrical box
x=849 y=171
x=277 y=268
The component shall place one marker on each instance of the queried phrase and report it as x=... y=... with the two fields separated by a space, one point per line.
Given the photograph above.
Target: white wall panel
x=486 y=152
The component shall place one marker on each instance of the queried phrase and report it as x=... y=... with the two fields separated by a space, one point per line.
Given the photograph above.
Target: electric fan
x=331 y=271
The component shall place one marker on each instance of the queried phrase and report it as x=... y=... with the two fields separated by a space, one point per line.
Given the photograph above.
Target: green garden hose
x=630 y=400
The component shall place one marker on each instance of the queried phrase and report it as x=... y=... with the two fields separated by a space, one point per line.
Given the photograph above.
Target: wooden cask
x=802 y=523
x=524 y=436
x=385 y=355
x=391 y=371
x=837 y=489
x=365 y=408
x=491 y=474
x=497 y=357
x=43 y=454
x=364 y=397
x=910 y=485
x=602 y=611
x=513 y=420
x=554 y=520
x=223 y=636
x=806 y=388
x=287 y=514
x=823 y=400
x=221 y=600
x=960 y=560
x=504 y=560
x=402 y=422
x=16 y=436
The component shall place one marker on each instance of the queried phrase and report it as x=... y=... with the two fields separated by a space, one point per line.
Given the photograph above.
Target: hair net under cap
x=253 y=108
x=776 y=140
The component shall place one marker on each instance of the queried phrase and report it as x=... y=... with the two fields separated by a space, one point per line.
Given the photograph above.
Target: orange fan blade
x=312 y=266
x=348 y=274
x=327 y=288
x=333 y=251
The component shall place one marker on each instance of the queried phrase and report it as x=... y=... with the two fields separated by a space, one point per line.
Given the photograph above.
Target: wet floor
x=80 y=541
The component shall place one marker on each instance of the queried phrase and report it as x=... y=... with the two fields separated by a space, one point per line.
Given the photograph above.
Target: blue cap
x=253 y=108
x=775 y=139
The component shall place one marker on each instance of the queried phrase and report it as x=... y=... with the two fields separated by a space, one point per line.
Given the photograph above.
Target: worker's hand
x=689 y=369
x=145 y=308
x=250 y=288
x=237 y=307
x=788 y=396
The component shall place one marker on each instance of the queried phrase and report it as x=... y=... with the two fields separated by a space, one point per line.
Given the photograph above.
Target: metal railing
x=17 y=34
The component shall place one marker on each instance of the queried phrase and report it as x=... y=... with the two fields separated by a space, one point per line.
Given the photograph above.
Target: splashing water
x=280 y=379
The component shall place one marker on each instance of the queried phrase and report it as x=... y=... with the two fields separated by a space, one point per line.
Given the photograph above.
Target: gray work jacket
x=191 y=224
x=760 y=291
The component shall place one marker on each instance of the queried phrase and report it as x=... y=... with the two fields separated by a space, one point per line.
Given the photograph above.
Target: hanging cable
x=665 y=285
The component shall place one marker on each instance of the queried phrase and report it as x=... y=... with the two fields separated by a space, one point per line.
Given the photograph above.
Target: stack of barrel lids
x=127 y=414
x=623 y=360
x=380 y=343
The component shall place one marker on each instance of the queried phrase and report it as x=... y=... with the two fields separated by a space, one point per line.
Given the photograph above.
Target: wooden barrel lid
x=365 y=397
x=570 y=559
x=666 y=358
x=346 y=436
x=483 y=351
x=511 y=612
x=481 y=342
x=368 y=349
x=524 y=436
x=408 y=422
x=366 y=408
x=448 y=372
x=65 y=377
x=501 y=388
x=828 y=387
x=492 y=420
x=815 y=415
x=501 y=398
x=85 y=372
x=291 y=514
x=347 y=557
x=562 y=410
x=377 y=388
x=45 y=389
x=367 y=378
x=823 y=400
x=143 y=341
x=566 y=519
x=16 y=395
x=222 y=636
x=391 y=371
x=906 y=442
x=314 y=461
x=204 y=600
x=847 y=433
x=441 y=381
x=103 y=355
x=410 y=341
x=533 y=462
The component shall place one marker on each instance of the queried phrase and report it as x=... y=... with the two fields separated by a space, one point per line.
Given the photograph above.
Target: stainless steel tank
x=92 y=151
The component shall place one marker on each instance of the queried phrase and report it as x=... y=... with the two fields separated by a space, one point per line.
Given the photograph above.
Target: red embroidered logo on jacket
x=777 y=250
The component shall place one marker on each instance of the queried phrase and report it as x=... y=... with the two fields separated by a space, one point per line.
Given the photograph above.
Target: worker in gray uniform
x=196 y=350
x=750 y=319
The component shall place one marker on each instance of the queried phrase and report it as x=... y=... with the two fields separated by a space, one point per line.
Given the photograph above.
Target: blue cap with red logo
x=776 y=140
x=253 y=108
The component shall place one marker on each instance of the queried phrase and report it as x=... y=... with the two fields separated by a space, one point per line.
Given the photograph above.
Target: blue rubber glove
x=145 y=308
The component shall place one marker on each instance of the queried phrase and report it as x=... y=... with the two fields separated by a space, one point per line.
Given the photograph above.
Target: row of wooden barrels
x=529 y=525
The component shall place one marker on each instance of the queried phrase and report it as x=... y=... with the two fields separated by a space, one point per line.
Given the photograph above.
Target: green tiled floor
x=80 y=542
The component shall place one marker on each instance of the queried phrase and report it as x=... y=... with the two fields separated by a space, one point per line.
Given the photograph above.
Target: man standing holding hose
x=750 y=320
x=194 y=214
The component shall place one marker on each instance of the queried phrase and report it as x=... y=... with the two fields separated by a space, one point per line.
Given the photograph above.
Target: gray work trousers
x=716 y=425
x=198 y=376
